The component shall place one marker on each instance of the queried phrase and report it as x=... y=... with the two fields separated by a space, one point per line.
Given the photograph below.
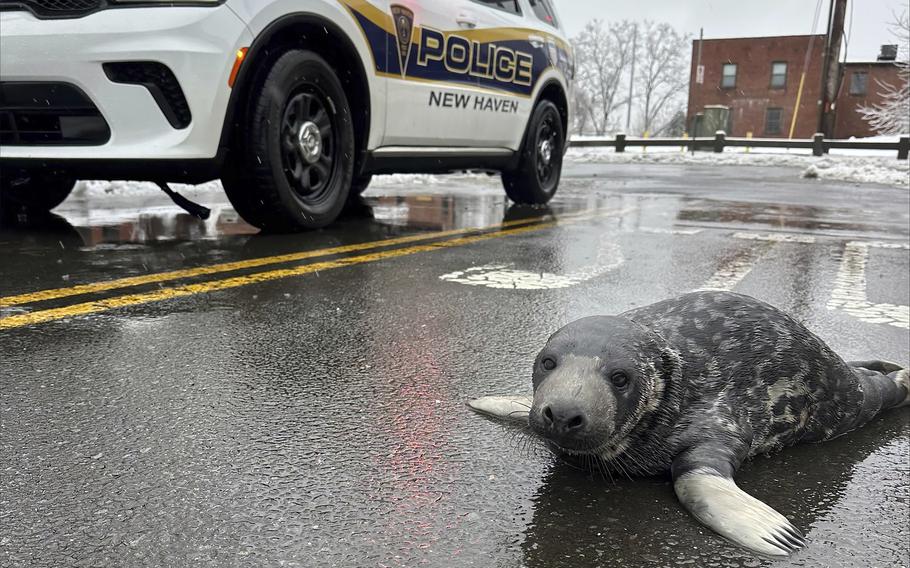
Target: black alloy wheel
x=536 y=178
x=310 y=152
x=291 y=160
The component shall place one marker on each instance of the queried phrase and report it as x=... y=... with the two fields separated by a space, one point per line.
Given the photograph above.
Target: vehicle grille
x=161 y=83
x=42 y=114
x=55 y=8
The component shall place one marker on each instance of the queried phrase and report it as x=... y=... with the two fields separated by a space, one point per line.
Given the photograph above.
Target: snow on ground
x=887 y=170
x=397 y=180
x=858 y=166
x=99 y=188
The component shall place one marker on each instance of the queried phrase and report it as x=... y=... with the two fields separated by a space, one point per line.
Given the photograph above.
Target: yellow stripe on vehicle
x=372 y=13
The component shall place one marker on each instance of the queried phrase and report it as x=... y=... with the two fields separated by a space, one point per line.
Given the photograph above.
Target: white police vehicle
x=294 y=104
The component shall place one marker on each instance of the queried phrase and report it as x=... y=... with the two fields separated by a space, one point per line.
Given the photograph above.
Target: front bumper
x=197 y=44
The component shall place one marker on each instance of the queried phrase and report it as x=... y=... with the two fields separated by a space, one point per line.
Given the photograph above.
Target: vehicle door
x=509 y=57
x=444 y=87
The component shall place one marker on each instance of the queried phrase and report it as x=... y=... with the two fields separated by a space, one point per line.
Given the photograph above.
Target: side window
x=728 y=80
x=778 y=75
x=772 y=120
x=858 y=82
x=544 y=11
x=510 y=6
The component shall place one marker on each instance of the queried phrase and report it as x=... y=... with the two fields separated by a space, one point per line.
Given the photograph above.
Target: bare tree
x=892 y=115
x=603 y=54
x=582 y=104
x=661 y=84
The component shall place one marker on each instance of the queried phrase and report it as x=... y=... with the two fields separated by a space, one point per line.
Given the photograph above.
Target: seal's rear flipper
x=506 y=408
x=883 y=367
x=718 y=503
x=902 y=379
x=889 y=381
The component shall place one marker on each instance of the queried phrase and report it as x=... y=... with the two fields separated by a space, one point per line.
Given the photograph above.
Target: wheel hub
x=309 y=142
x=546 y=151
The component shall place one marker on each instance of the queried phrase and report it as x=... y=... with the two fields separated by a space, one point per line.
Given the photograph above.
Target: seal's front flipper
x=506 y=408
x=718 y=503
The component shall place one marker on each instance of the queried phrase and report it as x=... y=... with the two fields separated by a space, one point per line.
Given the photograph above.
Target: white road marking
x=732 y=271
x=884 y=245
x=849 y=294
x=504 y=276
x=776 y=237
x=662 y=231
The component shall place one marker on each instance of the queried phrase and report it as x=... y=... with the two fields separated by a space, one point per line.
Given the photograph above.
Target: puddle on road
x=330 y=425
x=832 y=491
x=111 y=224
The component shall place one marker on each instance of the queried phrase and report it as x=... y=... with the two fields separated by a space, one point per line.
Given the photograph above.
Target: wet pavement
x=308 y=410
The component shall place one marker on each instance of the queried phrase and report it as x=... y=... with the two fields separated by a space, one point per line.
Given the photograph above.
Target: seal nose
x=564 y=418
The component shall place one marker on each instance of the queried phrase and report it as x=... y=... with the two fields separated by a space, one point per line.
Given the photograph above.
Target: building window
x=772 y=120
x=728 y=81
x=778 y=75
x=858 y=83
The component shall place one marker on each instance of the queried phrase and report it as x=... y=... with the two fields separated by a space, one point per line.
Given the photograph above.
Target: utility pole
x=831 y=72
x=632 y=78
x=699 y=79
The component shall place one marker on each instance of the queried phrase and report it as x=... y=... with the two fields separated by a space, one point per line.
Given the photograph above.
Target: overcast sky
x=744 y=18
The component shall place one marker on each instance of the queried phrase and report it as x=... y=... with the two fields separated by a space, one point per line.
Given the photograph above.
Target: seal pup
x=695 y=386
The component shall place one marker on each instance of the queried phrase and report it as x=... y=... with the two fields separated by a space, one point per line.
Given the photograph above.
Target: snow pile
x=882 y=169
x=868 y=169
x=100 y=188
x=412 y=180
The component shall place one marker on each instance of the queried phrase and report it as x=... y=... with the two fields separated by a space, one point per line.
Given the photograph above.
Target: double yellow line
x=463 y=237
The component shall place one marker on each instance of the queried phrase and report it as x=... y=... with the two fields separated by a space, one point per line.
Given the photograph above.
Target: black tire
x=360 y=185
x=291 y=165
x=536 y=178
x=27 y=192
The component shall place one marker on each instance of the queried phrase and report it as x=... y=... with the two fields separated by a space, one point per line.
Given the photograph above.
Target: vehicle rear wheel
x=22 y=191
x=536 y=178
x=294 y=165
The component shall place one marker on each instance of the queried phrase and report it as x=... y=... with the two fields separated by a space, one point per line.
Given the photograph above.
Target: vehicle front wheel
x=293 y=168
x=22 y=191
x=536 y=178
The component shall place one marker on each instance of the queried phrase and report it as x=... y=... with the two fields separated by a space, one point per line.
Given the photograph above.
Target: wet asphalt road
x=318 y=419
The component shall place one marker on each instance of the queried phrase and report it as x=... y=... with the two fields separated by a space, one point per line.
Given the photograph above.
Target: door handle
x=466 y=21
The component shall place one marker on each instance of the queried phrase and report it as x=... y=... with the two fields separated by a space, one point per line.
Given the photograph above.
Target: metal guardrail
x=818 y=144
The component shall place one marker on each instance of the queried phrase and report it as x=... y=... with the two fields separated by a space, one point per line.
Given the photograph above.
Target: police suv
x=294 y=104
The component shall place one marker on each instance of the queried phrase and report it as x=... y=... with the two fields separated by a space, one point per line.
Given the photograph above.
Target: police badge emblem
x=404 y=31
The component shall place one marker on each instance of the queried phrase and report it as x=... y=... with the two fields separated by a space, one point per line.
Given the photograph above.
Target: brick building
x=861 y=86
x=750 y=85
x=757 y=79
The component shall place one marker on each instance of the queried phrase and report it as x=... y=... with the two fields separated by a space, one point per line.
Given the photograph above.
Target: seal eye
x=619 y=378
x=548 y=363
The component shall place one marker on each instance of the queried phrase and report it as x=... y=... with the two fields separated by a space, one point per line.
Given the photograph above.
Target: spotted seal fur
x=695 y=386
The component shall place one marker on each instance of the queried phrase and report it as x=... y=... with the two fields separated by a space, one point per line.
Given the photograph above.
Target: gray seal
x=695 y=386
